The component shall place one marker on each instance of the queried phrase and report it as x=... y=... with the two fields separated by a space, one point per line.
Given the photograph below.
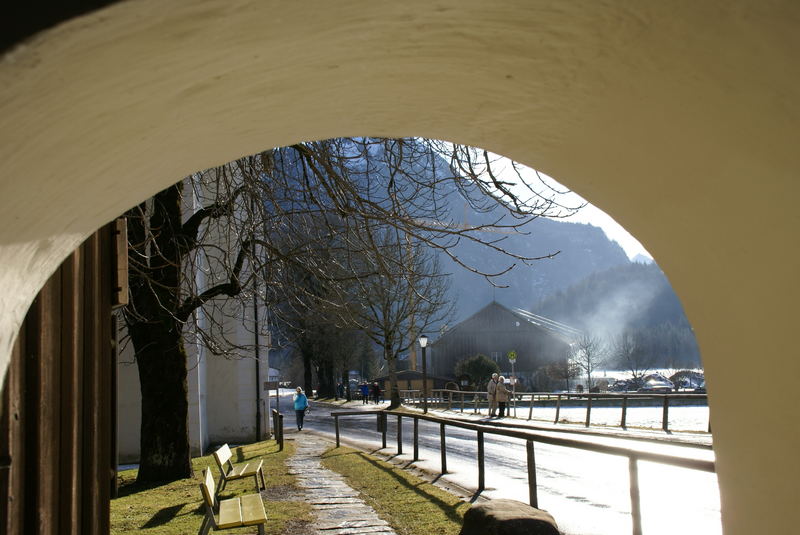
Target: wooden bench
x=232 y=513
x=229 y=472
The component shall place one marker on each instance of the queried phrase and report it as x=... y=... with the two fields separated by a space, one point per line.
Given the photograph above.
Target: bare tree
x=563 y=370
x=203 y=250
x=629 y=354
x=589 y=353
x=408 y=296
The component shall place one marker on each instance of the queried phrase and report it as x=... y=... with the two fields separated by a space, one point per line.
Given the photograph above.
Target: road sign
x=512 y=355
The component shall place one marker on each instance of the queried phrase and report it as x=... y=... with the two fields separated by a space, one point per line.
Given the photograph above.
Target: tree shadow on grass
x=163 y=516
x=126 y=488
x=451 y=511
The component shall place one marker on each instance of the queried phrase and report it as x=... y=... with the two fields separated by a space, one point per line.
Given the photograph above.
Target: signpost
x=512 y=358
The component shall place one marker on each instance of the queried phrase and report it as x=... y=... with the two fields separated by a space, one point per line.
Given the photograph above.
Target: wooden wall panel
x=56 y=466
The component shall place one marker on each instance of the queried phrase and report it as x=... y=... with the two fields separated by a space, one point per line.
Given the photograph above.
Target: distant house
x=412 y=380
x=494 y=331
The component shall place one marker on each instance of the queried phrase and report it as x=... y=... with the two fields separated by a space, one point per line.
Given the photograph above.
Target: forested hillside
x=635 y=299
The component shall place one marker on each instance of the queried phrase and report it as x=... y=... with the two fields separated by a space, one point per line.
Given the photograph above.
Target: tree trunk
x=346 y=384
x=394 y=391
x=157 y=338
x=326 y=379
x=308 y=374
x=164 y=442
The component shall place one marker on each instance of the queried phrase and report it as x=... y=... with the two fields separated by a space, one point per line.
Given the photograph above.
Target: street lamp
x=423 y=341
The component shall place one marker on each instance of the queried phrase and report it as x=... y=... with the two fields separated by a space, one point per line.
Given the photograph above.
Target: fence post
x=530 y=412
x=636 y=509
x=588 y=409
x=558 y=408
x=416 y=439
x=399 y=435
x=532 y=488
x=336 y=425
x=475 y=398
x=384 y=425
x=665 y=417
x=280 y=426
x=443 y=448
x=622 y=424
x=481 y=468
x=462 y=402
x=450 y=400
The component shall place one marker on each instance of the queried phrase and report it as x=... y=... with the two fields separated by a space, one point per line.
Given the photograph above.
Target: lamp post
x=423 y=341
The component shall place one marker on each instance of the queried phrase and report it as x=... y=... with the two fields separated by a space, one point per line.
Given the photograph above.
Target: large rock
x=507 y=517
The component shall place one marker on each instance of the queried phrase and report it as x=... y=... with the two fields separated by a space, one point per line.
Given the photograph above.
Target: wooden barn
x=494 y=331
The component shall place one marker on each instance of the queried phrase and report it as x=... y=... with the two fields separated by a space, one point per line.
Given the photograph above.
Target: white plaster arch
x=678 y=118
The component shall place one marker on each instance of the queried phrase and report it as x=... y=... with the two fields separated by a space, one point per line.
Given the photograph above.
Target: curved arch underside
x=679 y=119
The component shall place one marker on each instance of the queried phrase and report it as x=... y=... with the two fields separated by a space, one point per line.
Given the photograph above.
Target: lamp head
x=423 y=341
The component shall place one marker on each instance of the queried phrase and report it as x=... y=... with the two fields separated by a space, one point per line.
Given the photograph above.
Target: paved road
x=588 y=493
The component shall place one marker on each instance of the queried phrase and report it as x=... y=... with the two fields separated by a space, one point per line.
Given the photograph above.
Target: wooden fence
x=474 y=401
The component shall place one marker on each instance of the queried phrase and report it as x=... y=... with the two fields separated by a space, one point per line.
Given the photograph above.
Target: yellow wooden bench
x=232 y=513
x=230 y=472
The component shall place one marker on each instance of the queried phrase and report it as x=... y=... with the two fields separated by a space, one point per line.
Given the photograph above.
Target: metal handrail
x=531 y=437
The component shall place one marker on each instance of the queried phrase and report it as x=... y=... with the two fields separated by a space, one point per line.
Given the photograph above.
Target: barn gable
x=494 y=331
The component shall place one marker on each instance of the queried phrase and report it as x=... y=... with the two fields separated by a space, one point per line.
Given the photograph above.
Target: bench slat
x=222 y=456
x=239 y=471
x=253 y=510
x=250 y=469
x=207 y=488
x=230 y=513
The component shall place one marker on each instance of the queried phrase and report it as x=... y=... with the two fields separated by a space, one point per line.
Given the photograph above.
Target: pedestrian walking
x=376 y=392
x=491 y=391
x=502 y=395
x=300 y=406
x=364 y=388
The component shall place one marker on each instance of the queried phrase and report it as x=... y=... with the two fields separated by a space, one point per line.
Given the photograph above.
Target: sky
x=595 y=216
x=588 y=214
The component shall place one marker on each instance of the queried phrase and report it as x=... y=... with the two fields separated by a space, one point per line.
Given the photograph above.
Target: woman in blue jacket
x=300 y=406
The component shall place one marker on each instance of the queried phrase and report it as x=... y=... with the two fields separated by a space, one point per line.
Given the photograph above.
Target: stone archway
x=678 y=119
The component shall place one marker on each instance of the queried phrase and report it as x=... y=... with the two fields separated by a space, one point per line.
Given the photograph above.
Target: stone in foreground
x=507 y=517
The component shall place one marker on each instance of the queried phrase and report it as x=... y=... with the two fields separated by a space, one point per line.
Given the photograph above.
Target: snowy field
x=692 y=418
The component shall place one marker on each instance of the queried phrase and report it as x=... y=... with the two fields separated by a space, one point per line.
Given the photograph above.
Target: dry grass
x=176 y=508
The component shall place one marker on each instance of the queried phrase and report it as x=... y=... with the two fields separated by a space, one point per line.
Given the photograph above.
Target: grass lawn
x=411 y=505
x=176 y=508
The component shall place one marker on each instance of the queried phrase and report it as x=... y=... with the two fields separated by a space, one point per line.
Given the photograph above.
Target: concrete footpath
x=336 y=506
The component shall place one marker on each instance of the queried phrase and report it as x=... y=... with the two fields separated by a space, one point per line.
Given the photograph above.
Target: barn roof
x=477 y=322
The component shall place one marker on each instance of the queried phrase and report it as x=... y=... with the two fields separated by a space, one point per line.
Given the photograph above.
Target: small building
x=494 y=331
x=412 y=380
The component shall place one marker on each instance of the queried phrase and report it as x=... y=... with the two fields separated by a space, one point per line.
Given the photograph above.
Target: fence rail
x=530 y=438
x=475 y=400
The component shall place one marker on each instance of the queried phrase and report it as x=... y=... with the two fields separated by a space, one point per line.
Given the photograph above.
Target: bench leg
x=205 y=526
x=263 y=483
x=261 y=530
